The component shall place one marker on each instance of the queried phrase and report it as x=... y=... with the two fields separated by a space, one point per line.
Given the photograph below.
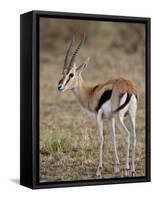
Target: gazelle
x=115 y=97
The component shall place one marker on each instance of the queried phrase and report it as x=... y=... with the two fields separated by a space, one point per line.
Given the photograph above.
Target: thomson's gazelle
x=117 y=96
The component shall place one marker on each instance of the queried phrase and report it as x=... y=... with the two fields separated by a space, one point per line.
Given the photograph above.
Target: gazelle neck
x=81 y=92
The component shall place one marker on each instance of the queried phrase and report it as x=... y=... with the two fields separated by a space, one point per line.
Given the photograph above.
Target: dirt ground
x=68 y=135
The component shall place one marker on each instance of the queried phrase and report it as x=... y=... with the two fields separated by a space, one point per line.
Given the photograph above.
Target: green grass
x=54 y=141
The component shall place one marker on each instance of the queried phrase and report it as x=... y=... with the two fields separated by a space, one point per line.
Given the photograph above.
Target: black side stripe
x=105 y=97
x=125 y=103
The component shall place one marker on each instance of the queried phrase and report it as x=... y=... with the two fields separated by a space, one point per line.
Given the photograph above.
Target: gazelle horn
x=67 y=53
x=76 y=51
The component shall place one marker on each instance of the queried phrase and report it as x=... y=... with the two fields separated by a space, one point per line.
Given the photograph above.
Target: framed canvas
x=85 y=99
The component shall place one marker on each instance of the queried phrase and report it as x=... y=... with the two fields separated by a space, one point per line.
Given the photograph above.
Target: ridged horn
x=76 y=51
x=67 y=53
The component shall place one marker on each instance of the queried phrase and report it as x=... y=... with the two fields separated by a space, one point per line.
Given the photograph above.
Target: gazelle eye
x=71 y=75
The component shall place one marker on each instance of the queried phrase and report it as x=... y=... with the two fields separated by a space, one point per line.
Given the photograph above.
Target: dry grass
x=68 y=136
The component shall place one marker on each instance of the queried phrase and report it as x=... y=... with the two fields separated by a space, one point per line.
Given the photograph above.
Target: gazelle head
x=71 y=71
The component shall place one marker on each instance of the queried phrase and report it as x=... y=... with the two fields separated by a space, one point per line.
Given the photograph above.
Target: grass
x=68 y=136
x=66 y=158
x=56 y=141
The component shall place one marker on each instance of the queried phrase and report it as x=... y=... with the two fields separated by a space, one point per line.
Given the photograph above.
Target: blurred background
x=68 y=136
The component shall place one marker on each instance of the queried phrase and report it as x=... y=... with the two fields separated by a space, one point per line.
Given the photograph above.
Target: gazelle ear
x=81 y=67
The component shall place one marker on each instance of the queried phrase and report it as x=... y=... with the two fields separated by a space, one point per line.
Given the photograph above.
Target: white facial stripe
x=66 y=80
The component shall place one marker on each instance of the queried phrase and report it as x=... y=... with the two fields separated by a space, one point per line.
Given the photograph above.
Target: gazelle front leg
x=101 y=140
x=113 y=142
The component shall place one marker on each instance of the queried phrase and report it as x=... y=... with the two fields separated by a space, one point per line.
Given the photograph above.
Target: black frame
x=29 y=99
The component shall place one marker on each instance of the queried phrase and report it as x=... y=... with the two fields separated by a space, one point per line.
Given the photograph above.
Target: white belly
x=106 y=109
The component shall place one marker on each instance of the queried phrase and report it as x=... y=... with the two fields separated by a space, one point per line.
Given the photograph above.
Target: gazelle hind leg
x=101 y=139
x=126 y=135
x=132 y=119
x=113 y=143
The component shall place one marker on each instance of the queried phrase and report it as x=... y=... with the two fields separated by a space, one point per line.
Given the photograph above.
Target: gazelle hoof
x=116 y=168
x=127 y=172
x=98 y=173
x=133 y=173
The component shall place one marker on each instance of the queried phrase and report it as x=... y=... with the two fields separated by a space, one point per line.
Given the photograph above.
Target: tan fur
x=89 y=96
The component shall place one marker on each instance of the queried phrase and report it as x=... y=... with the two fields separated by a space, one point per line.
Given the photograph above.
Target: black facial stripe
x=69 y=77
x=67 y=80
x=105 y=97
